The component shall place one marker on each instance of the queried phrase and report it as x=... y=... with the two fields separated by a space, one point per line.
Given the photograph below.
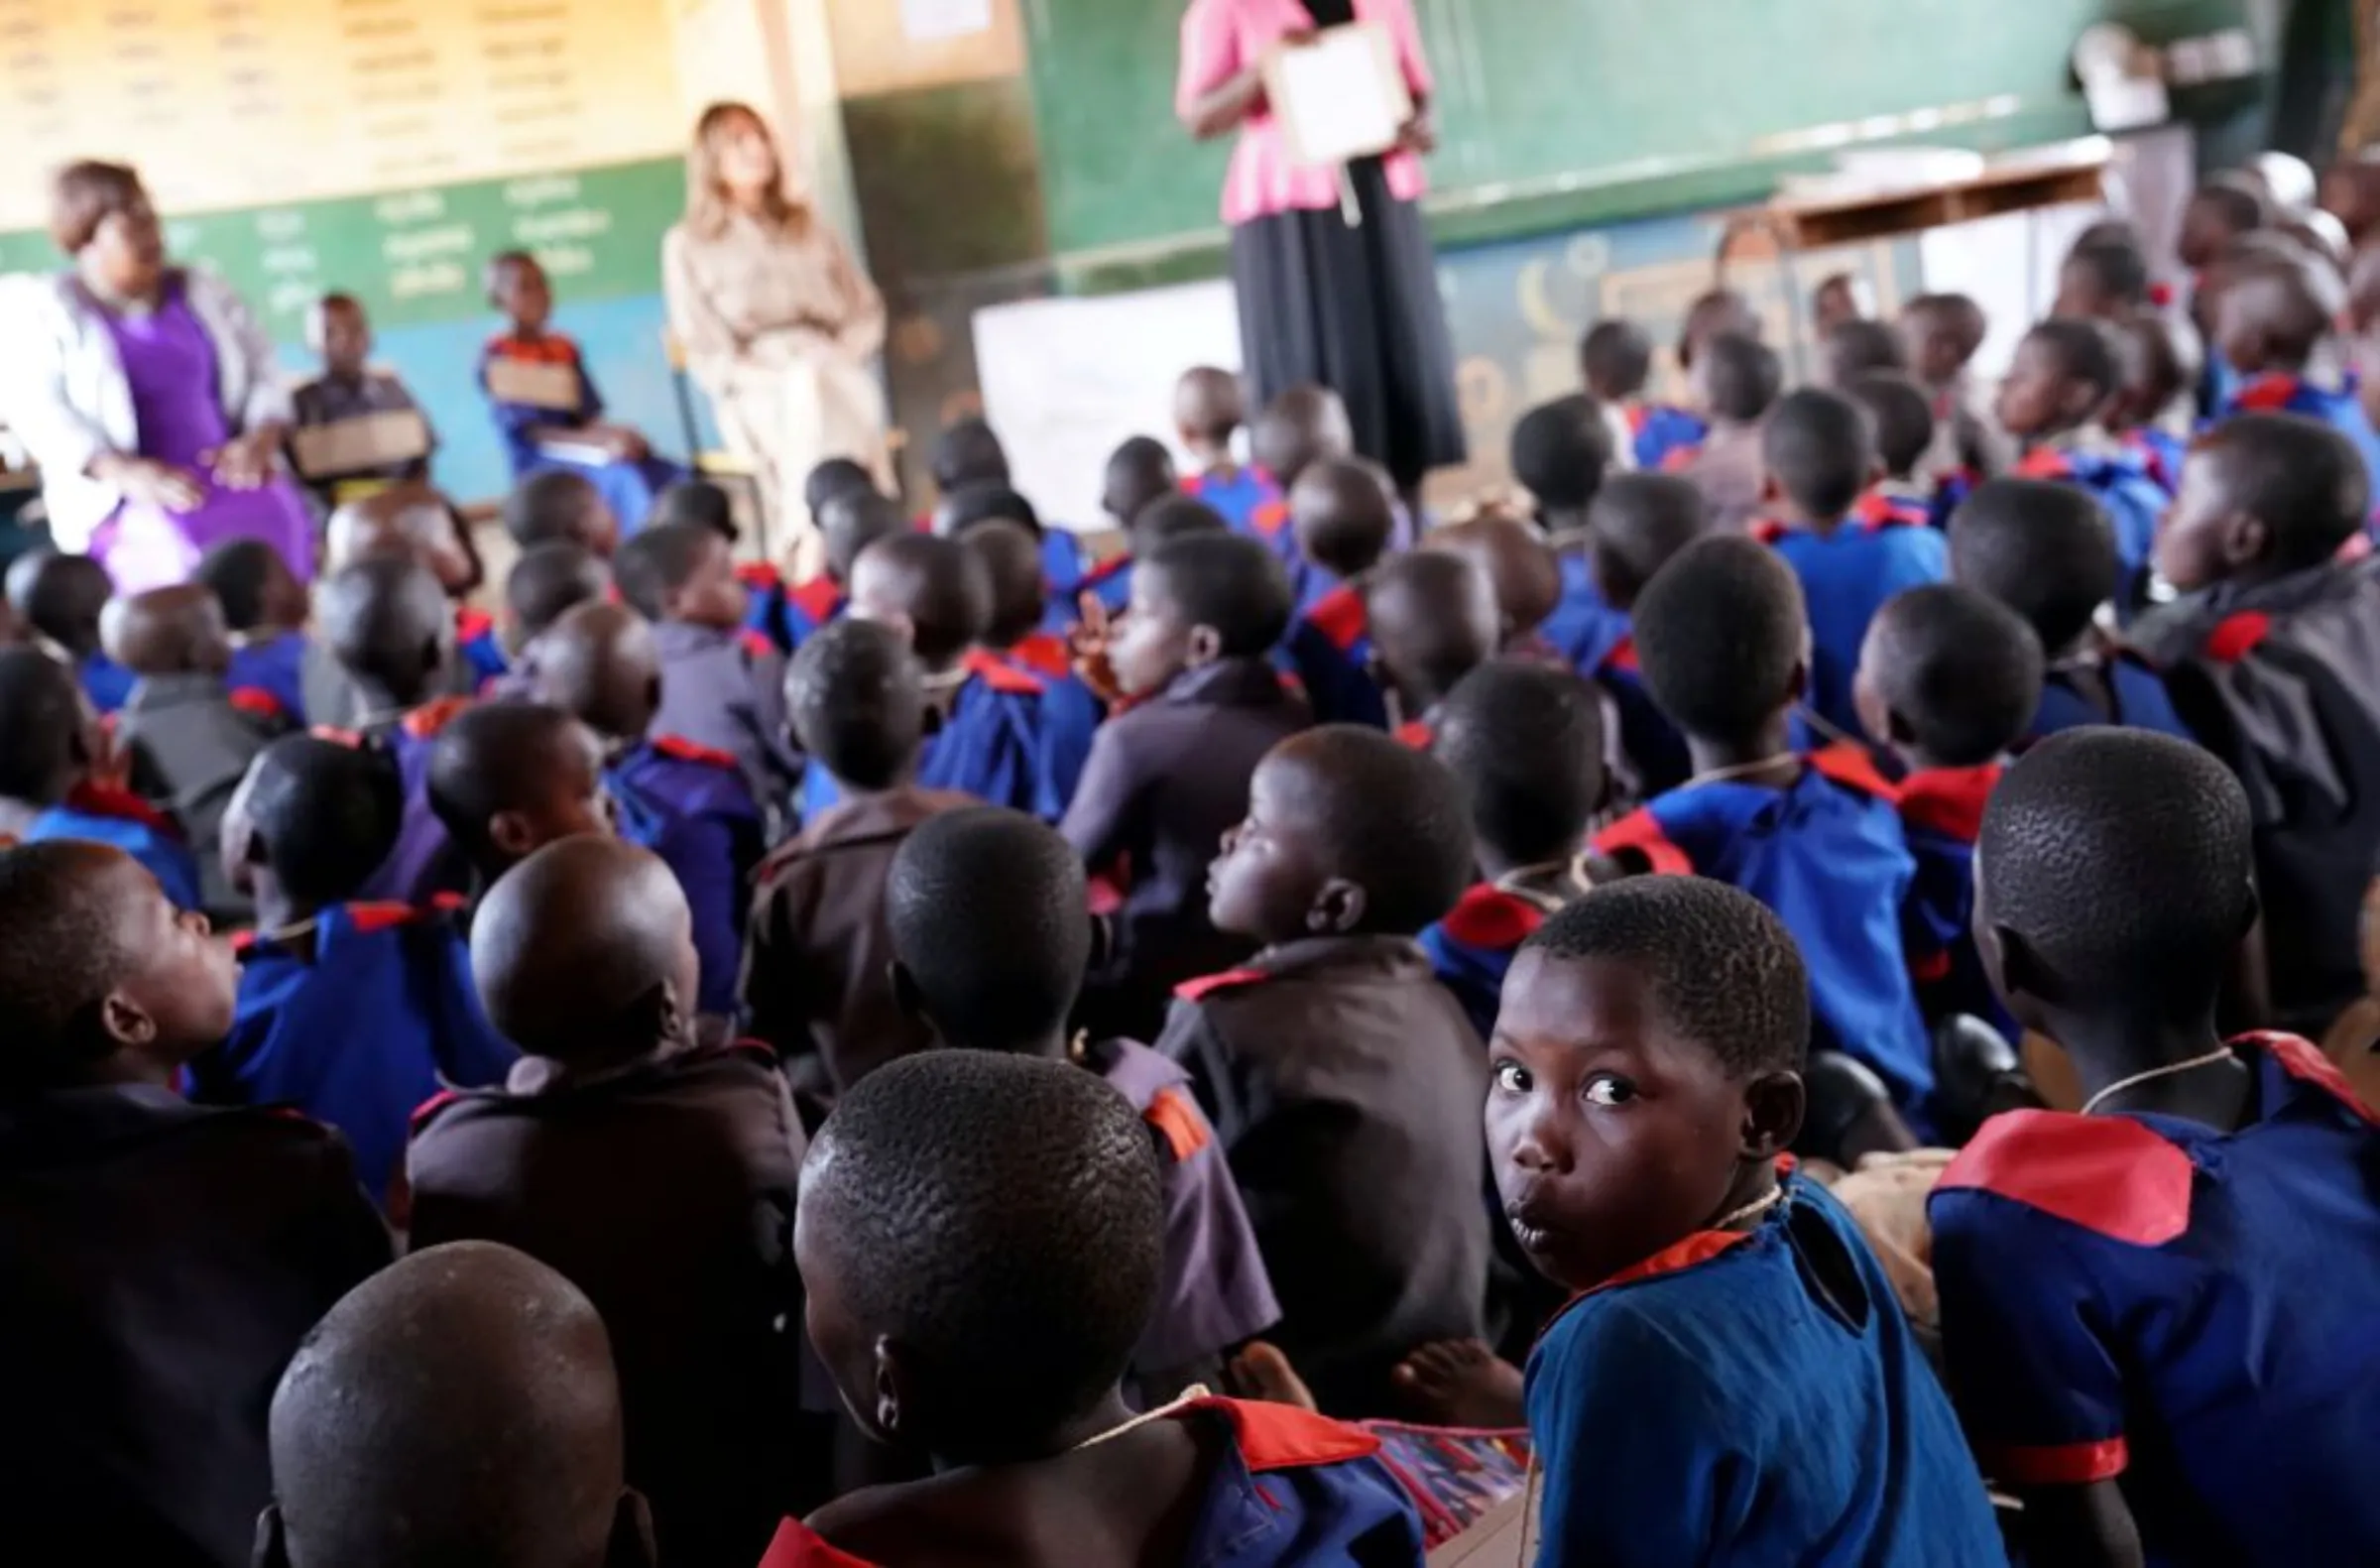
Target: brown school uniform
x=818 y=964
x=189 y=746
x=1165 y=781
x=159 y=1264
x=665 y=1192
x=1345 y=1084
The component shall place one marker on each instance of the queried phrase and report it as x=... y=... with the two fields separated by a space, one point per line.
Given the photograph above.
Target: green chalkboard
x=415 y=257
x=1538 y=96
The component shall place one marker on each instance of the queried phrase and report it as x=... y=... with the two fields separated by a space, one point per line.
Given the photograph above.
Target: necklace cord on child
x=2171 y=1069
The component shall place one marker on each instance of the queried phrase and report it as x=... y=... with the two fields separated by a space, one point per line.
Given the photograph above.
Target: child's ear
x=890 y=1388
x=2017 y=972
x=1774 y=1105
x=1337 y=909
x=510 y=833
x=271 y=1550
x=126 y=1021
x=2245 y=540
x=1203 y=646
x=632 y=1545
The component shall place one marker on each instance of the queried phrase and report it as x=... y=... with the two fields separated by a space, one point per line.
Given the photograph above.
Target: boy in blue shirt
x=1732 y=1381
x=1617 y=359
x=685 y=802
x=354 y=1013
x=967 y=456
x=2271 y=317
x=1526 y=744
x=1637 y=526
x=1948 y=681
x=59 y=598
x=2157 y=1314
x=1820 y=452
x=1723 y=643
x=2046 y=551
x=265 y=609
x=1560 y=455
x=506 y=779
x=1071 y=712
x=1904 y=430
x=2052 y=400
x=1208 y=411
x=986 y=1234
x=1343 y=518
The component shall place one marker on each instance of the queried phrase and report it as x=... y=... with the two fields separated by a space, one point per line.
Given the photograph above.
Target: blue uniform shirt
x=629 y=487
x=2160 y=452
x=1751 y=1398
x=1653 y=747
x=120 y=818
x=273 y=665
x=1828 y=856
x=1583 y=626
x=1847 y=576
x=2136 y=698
x=1659 y=432
x=1004 y=741
x=1242 y=496
x=691 y=806
x=479 y=647
x=2342 y=410
x=107 y=683
x=424 y=863
x=1472 y=949
x=357 y=1027
x=2120 y=482
x=1941 y=813
x=2142 y=1298
x=1329 y=649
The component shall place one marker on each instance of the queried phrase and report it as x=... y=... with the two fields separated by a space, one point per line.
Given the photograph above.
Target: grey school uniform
x=189 y=748
x=727 y=690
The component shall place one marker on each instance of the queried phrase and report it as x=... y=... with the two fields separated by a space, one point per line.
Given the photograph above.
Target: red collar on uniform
x=819 y=598
x=2105 y=1174
x=2271 y=393
x=370 y=917
x=546 y=349
x=1207 y=985
x=1105 y=571
x=759 y=574
x=1043 y=653
x=1000 y=676
x=255 y=701
x=1878 y=511
x=1623 y=654
x=1638 y=416
x=754 y=642
x=685 y=751
x=1950 y=801
x=1489 y=918
x=1283 y=1437
x=1341 y=617
x=471 y=624
x=1850 y=765
x=2235 y=636
x=1270 y=520
x=2303 y=1061
x=1417 y=734
x=425 y=722
x=2046 y=462
x=1768 y=530
x=118 y=805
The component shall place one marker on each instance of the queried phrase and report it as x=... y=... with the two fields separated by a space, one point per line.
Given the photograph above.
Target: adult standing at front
x=778 y=322
x=146 y=394
x=1331 y=292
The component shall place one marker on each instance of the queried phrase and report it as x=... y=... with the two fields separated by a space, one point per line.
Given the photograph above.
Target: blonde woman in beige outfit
x=777 y=322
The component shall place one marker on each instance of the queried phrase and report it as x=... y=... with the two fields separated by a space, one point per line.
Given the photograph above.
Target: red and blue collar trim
x=1950 y=801
x=1492 y=920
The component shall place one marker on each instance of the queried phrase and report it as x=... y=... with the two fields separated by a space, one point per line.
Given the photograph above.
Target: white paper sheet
x=1339 y=97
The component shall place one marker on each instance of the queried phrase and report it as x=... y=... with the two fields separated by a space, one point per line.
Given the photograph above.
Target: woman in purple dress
x=146 y=393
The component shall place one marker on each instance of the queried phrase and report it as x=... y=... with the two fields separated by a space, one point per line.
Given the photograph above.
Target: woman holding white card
x=1331 y=263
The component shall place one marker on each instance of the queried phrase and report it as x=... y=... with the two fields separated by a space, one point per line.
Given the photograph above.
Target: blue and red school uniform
x=1848 y=574
x=1473 y=948
x=1941 y=813
x=1329 y=651
x=479 y=647
x=274 y=666
x=692 y=806
x=2134 y=696
x=105 y=682
x=355 y=1018
x=1890 y=505
x=1657 y=430
x=1240 y=498
x=1110 y=583
x=1584 y=627
x=628 y=488
x=769 y=605
x=2119 y=480
x=2187 y=1312
x=424 y=863
x=1830 y=857
x=1288 y=1489
x=1010 y=738
x=2340 y=408
x=1951 y=491
x=103 y=814
x=2161 y=453
x=1751 y=1398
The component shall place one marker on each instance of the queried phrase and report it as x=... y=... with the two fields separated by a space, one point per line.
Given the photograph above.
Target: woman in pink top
x=1331 y=292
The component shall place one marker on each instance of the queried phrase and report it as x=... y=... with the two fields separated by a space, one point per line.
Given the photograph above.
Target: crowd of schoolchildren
x=987 y=1056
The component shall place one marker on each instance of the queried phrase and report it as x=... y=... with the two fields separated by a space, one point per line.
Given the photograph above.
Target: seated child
x=1724 y=643
x=2271 y=318
x=1527 y=745
x=653 y=1172
x=1002 y=1284
x=340 y=335
x=506 y=779
x=2226 y=207
x=159 y=1260
x=57 y=598
x=264 y=607
x=1944 y=333
x=453 y=1365
x=843 y=476
x=1738 y=380
x=1560 y=454
x=1839 y=298
x=2151 y=375
x=1854 y=350
x=60 y=778
x=1166 y=517
x=1302 y=426
x=547 y=583
x=684 y=802
x=1904 y=431
x=2045 y=551
x=1345 y=518
x=353 y=1012
x=1343 y=1081
x=184 y=737
x=1009 y=559
x=969 y=456
x=1617 y=359
x=722 y=687
x=2271 y=667
x=1521 y=568
x=848 y=524
x=817 y=969
x=2156 y=1315
x=1434 y=619
x=1733 y=1380
x=2104 y=277
x=1640 y=524
x=561 y=506
x=1208 y=411
x=2051 y=401
x=1139 y=472
x=405 y=523
x=1822 y=457
x=1948 y=683
x=1168 y=774
x=992 y=939
x=565 y=430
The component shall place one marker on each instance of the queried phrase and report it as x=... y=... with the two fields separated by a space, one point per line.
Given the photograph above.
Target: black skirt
x=1355 y=308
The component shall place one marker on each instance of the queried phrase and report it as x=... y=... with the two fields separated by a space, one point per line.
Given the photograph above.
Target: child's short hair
x=240 y=572
x=1720 y=634
x=1434 y=614
x=856 y=703
x=1227 y=582
x=1743 y=376
x=972 y=506
x=2150 y=358
x=41 y=726
x=852 y=520
x=1390 y=819
x=171 y=631
x=1617 y=358
x=455 y=1365
x=1344 y=514
x=1010 y=557
x=1000 y=1220
x=1169 y=518
x=1854 y=349
x=602 y=663
x=571 y=946
x=1526 y=743
x=1961 y=670
x=63 y=950
x=493 y=758
x=548 y=507
x=2117 y=268
x=1720 y=970
x=657 y=562
x=987 y=914
x=1301 y=424
x=1956 y=314
x=1560 y=451
x=2083 y=351
x=1713 y=312
x=2301 y=478
x=325 y=816
x=386 y=619
x=967 y=452
x=2291 y=303
x=835 y=477
x=1139 y=472
x=938 y=586
x=60 y=596
x=1208 y=404
x=1903 y=418
x=2047 y=551
x=1820 y=449
x=2242 y=201
x=698 y=502
x=491 y=276
x=2123 y=859
x=1639 y=523
x=550 y=581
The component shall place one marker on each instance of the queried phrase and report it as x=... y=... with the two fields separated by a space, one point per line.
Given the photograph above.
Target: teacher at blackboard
x=1331 y=292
